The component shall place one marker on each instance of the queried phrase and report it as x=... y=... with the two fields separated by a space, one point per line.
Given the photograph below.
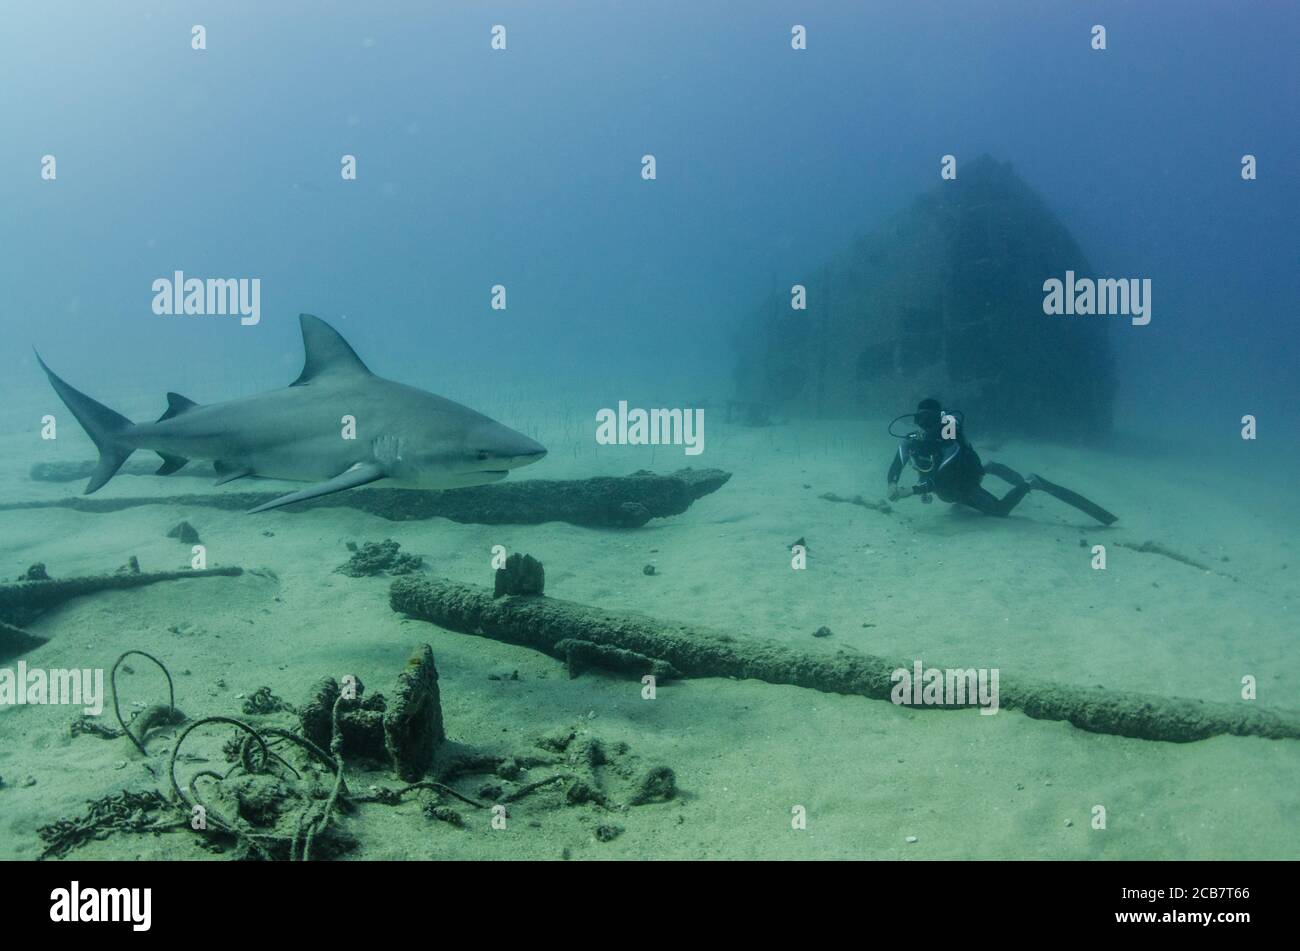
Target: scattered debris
x=878 y=506
x=262 y=703
x=444 y=814
x=149 y=717
x=657 y=784
x=1155 y=548
x=185 y=532
x=120 y=812
x=557 y=741
x=377 y=558
x=270 y=807
x=284 y=795
x=579 y=655
x=90 y=726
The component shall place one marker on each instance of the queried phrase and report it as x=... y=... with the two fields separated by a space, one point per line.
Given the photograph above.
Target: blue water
x=523 y=168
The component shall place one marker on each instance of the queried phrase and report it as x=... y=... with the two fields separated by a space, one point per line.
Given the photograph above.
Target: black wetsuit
x=951 y=469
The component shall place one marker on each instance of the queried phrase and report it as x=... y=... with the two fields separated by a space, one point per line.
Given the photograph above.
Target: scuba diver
x=950 y=468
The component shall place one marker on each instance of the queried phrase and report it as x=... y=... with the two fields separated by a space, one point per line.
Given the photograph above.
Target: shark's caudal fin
x=102 y=425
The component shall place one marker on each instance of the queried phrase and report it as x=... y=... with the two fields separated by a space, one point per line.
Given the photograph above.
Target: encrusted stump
x=413 y=728
x=523 y=574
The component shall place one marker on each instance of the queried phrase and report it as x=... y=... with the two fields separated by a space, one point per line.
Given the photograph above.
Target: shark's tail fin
x=102 y=425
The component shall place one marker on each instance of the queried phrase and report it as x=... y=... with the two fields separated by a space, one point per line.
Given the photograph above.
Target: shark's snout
x=530 y=451
x=500 y=447
x=525 y=452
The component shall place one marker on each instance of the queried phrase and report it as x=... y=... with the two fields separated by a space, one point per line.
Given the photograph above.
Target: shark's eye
x=482 y=455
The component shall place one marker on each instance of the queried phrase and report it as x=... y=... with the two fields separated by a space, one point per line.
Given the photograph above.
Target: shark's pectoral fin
x=170 y=463
x=360 y=474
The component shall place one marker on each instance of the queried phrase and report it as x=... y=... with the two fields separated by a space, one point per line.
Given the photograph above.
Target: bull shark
x=406 y=436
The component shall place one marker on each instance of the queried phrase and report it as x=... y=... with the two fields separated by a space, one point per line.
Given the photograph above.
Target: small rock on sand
x=185 y=532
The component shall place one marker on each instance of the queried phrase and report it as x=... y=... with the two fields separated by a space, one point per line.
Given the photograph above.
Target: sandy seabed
x=928 y=582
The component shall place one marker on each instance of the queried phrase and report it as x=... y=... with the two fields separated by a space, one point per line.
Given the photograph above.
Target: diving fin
x=1005 y=473
x=360 y=474
x=1072 y=498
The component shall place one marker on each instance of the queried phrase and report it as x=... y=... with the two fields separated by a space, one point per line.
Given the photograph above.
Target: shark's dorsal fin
x=176 y=404
x=326 y=352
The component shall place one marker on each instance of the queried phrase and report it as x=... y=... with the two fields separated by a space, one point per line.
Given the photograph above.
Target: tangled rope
x=256 y=757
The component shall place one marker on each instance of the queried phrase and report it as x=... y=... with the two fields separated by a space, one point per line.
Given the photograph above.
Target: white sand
x=928 y=582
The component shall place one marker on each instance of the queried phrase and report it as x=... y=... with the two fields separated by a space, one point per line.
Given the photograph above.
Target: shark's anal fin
x=170 y=464
x=360 y=474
